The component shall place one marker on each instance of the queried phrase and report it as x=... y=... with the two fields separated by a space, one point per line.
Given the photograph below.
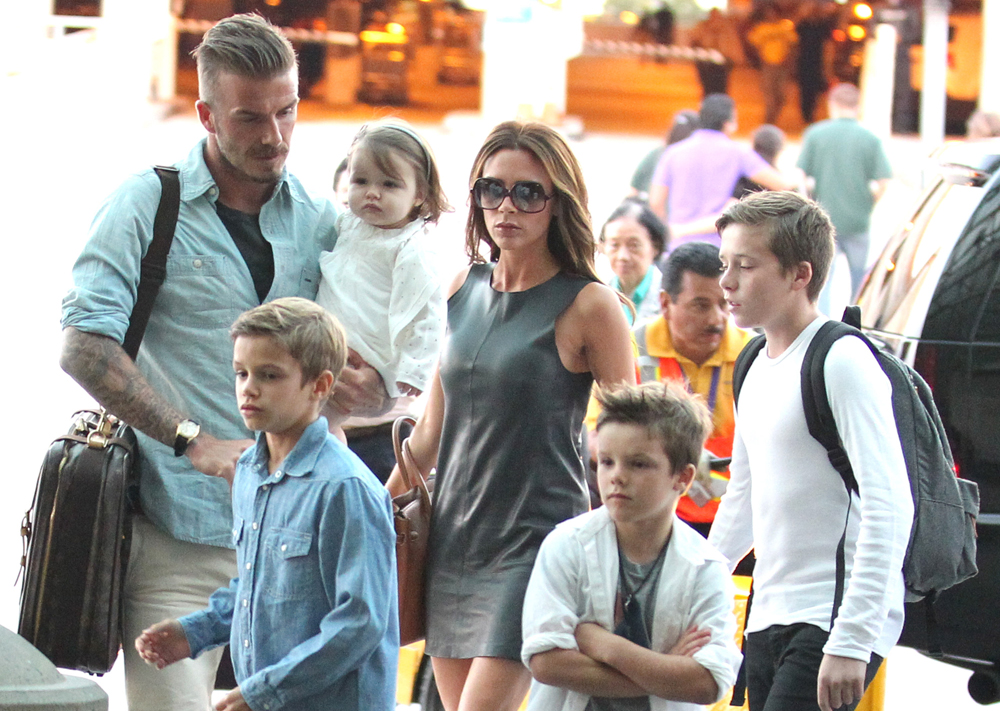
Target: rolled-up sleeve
x=552 y=608
x=712 y=609
x=106 y=274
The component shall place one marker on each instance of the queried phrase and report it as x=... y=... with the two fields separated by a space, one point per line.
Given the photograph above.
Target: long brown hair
x=571 y=234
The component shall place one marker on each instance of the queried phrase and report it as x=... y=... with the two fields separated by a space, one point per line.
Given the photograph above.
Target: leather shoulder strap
x=153 y=269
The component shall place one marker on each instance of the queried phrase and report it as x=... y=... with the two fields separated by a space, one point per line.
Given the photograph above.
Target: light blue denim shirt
x=311 y=619
x=186 y=354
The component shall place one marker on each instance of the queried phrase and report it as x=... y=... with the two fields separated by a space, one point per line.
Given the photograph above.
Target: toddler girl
x=378 y=280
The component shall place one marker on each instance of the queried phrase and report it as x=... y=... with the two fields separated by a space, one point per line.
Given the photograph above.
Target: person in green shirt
x=848 y=170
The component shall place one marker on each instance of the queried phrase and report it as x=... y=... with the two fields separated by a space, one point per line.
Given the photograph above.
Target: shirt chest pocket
x=290 y=565
x=198 y=291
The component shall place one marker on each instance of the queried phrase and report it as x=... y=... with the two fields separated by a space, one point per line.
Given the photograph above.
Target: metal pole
x=932 y=97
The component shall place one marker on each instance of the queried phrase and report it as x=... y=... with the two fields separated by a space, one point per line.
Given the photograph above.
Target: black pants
x=782 y=665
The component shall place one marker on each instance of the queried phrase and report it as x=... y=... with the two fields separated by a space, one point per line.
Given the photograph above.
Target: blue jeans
x=855 y=248
x=782 y=666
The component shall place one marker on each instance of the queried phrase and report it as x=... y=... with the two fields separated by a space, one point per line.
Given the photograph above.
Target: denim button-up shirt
x=311 y=618
x=186 y=353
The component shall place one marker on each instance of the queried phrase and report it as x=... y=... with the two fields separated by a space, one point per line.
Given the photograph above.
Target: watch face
x=188 y=429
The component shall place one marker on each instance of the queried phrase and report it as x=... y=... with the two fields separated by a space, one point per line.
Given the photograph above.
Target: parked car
x=933 y=297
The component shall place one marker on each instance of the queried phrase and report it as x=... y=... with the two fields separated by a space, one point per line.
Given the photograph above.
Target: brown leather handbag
x=412 y=518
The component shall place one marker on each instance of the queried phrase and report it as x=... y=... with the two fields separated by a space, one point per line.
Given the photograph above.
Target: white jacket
x=575 y=579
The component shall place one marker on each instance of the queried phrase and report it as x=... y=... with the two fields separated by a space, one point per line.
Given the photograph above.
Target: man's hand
x=163 y=644
x=233 y=701
x=216 y=457
x=691 y=641
x=359 y=389
x=841 y=682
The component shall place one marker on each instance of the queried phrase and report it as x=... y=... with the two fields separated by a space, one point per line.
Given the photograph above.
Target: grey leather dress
x=509 y=465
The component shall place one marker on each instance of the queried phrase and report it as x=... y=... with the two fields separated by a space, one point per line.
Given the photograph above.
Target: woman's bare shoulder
x=597 y=299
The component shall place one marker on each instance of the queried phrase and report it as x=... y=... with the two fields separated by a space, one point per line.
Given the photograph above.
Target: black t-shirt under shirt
x=244 y=228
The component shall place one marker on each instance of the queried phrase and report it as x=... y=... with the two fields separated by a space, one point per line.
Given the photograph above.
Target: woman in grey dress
x=528 y=333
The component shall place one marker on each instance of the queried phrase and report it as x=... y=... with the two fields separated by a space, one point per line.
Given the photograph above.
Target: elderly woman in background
x=633 y=239
x=529 y=331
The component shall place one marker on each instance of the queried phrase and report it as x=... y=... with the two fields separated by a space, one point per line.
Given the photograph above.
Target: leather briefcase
x=78 y=531
x=77 y=544
x=412 y=517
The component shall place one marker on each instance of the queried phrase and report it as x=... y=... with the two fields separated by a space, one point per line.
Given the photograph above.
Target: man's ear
x=664 y=303
x=205 y=115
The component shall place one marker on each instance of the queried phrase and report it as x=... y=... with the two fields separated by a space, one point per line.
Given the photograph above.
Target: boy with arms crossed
x=785 y=499
x=311 y=619
x=628 y=607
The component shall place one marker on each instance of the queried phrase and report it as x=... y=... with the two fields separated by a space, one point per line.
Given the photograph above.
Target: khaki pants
x=166 y=579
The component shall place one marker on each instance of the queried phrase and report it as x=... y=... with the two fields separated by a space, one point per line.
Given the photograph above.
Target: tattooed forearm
x=103 y=369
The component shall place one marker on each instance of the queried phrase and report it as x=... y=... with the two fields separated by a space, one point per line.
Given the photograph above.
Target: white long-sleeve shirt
x=787 y=501
x=575 y=579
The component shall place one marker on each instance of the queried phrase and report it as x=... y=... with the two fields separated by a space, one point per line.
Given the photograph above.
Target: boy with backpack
x=785 y=498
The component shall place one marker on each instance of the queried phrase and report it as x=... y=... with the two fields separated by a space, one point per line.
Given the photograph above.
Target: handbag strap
x=153 y=269
x=413 y=478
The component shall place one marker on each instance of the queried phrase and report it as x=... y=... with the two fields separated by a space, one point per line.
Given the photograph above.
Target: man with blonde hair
x=247 y=232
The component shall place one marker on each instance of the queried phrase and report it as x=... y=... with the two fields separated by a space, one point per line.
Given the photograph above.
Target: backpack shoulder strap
x=743 y=362
x=816 y=404
x=153 y=269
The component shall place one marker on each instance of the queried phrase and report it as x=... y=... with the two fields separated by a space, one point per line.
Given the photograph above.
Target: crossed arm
x=611 y=666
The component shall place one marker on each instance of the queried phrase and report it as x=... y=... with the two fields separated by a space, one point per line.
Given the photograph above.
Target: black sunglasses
x=526 y=195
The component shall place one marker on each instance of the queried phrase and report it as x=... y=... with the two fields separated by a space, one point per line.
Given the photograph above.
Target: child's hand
x=233 y=701
x=691 y=641
x=163 y=644
x=407 y=389
x=591 y=638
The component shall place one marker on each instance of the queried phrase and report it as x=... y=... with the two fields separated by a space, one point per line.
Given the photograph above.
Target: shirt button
x=265 y=487
x=284 y=546
x=213 y=191
x=246 y=603
x=253 y=525
x=246 y=643
x=197 y=264
x=248 y=566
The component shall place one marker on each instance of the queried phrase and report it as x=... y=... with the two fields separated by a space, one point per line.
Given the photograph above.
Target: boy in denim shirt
x=311 y=619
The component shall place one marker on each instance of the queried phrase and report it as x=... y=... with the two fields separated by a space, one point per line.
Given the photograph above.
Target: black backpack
x=942 y=548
